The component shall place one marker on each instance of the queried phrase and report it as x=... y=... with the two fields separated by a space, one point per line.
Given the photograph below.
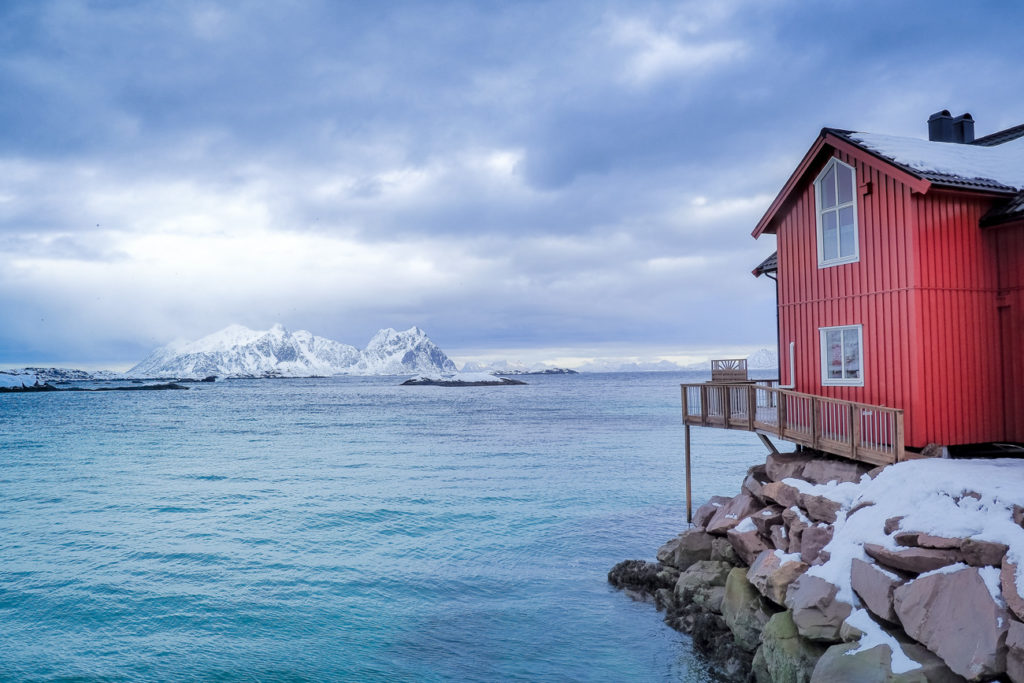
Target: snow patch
x=874 y=636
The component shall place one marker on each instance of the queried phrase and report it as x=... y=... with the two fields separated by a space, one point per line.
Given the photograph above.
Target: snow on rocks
x=939 y=608
x=929 y=547
x=15 y=379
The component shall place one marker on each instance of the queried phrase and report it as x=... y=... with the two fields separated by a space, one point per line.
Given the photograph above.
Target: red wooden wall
x=925 y=292
x=873 y=292
x=1008 y=243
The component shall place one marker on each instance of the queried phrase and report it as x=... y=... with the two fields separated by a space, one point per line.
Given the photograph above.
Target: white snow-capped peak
x=239 y=351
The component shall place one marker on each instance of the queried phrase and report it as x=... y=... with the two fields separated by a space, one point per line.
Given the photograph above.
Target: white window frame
x=818 y=211
x=832 y=382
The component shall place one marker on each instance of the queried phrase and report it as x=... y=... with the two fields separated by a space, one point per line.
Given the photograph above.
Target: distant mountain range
x=237 y=351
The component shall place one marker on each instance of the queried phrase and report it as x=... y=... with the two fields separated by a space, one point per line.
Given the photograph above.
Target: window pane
x=829 y=236
x=845 y=184
x=851 y=354
x=847 y=232
x=828 y=189
x=834 y=354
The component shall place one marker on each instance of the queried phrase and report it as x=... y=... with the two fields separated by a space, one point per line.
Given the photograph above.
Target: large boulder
x=875 y=586
x=706 y=511
x=816 y=612
x=1015 y=652
x=780 y=538
x=722 y=551
x=756 y=478
x=955 y=616
x=781 y=466
x=913 y=560
x=796 y=521
x=1008 y=584
x=688 y=547
x=983 y=553
x=703 y=584
x=780 y=493
x=812 y=540
x=771 y=573
x=764 y=520
x=824 y=470
x=785 y=656
x=745 y=610
x=747 y=543
x=638 y=575
x=732 y=513
x=848 y=663
x=820 y=508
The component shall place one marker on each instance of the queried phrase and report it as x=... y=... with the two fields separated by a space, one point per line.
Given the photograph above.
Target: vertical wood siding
x=873 y=292
x=1008 y=243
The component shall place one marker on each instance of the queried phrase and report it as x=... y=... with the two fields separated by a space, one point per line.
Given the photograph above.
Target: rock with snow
x=816 y=612
x=705 y=512
x=1015 y=652
x=237 y=351
x=745 y=540
x=913 y=560
x=939 y=608
x=780 y=492
x=461 y=379
x=1011 y=588
x=772 y=572
x=731 y=514
x=875 y=586
x=781 y=466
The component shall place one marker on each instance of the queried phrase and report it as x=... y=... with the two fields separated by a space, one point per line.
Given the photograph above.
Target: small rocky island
x=462 y=379
x=823 y=571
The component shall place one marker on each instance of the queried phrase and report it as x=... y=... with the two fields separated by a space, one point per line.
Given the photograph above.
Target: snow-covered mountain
x=237 y=351
x=763 y=359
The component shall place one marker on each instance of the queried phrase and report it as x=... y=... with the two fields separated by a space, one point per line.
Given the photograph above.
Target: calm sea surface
x=346 y=529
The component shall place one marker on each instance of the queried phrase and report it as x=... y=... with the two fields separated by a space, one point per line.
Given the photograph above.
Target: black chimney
x=963 y=128
x=942 y=127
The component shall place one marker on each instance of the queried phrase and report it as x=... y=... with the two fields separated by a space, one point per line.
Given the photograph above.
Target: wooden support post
x=768 y=443
x=855 y=419
x=689 y=495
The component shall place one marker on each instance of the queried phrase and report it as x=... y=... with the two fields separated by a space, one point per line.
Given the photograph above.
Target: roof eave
x=828 y=137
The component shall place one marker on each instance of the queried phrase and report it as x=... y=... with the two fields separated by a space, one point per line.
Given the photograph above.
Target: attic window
x=836 y=198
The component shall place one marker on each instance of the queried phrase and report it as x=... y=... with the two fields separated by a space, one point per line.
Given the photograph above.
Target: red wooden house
x=900 y=279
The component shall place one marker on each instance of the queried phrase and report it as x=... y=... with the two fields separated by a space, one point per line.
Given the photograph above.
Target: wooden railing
x=729 y=370
x=857 y=431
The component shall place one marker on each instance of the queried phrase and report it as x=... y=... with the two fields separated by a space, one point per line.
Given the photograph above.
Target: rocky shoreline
x=821 y=570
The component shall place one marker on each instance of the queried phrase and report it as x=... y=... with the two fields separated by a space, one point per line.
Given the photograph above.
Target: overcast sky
x=528 y=180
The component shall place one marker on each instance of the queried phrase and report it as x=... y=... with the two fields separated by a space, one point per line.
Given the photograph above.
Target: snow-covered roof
x=998 y=167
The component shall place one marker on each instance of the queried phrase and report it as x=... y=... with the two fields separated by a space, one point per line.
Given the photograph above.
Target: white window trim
x=822 y=263
x=825 y=379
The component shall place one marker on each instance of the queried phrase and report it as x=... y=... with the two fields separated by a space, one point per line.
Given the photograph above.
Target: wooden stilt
x=689 y=494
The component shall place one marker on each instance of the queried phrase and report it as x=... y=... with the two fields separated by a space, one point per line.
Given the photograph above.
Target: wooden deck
x=857 y=431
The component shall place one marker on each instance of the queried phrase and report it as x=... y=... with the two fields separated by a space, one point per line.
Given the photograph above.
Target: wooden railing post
x=751 y=405
x=726 y=405
x=686 y=406
x=781 y=400
x=815 y=426
x=897 y=441
x=704 y=404
x=854 y=431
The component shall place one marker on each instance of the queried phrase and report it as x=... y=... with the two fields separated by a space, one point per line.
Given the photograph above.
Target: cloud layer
x=507 y=176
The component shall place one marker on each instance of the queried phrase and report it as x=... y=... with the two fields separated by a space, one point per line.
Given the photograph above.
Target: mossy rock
x=786 y=656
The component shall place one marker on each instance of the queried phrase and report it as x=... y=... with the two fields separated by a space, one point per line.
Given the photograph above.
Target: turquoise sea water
x=346 y=529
